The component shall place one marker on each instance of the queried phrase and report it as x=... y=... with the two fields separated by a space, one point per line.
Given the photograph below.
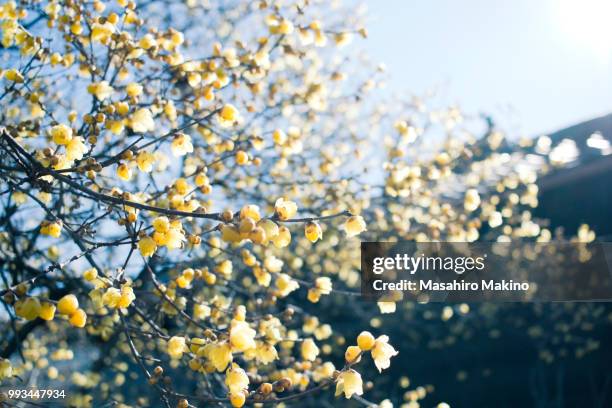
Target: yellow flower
x=61 y=134
x=115 y=126
x=75 y=149
x=102 y=32
x=29 y=308
x=119 y=298
x=313 y=231
x=127 y=296
x=285 y=209
x=354 y=225
x=68 y=304
x=161 y=224
x=285 y=285
x=236 y=379
x=309 y=350
x=225 y=268
x=145 y=161
x=90 y=274
x=279 y=137
x=242 y=336
x=201 y=312
x=78 y=318
x=471 y=200
x=266 y=353
x=270 y=229
x=6 y=370
x=220 y=355
x=242 y=157
x=133 y=89
x=352 y=354
x=47 y=311
x=237 y=399
x=182 y=186
x=142 y=121
x=181 y=145
x=14 y=76
x=124 y=172
x=349 y=382
x=324 y=371
x=101 y=90
x=283 y=238
x=53 y=229
x=229 y=233
x=228 y=115
x=176 y=347
x=250 y=211
x=147 y=41
x=174 y=238
x=382 y=353
x=147 y=246
x=365 y=341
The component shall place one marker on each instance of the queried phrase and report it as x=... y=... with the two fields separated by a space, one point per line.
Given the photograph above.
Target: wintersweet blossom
x=350 y=383
x=382 y=353
x=354 y=225
x=176 y=347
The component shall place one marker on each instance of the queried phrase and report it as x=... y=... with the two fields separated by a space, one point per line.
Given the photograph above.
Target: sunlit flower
x=228 y=115
x=133 y=89
x=365 y=341
x=236 y=379
x=250 y=211
x=266 y=353
x=28 y=308
x=101 y=90
x=102 y=32
x=382 y=353
x=145 y=161
x=68 y=304
x=147 y=246
x=181 y=145
x=53 y=229
x=242 y=336
x=220 y=355
x=61 y=134
x=285 y=284
x=313 y=231
x=124 y=172
x=354 y=225
x=350 y=383
x=13 y=75
x=78 y=318
x=283 y=238
x=75 y=149
x=142 y=121
x=285 y=209
x=309 y=350
x=176 y=347
x=47 y=311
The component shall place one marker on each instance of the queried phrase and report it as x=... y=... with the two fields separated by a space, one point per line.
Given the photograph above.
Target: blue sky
x=538 y=65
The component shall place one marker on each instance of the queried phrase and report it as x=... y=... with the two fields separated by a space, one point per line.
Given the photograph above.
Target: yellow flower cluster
x=53 y=229
x=349 y=381
x=166 y=233
x=119 y=298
